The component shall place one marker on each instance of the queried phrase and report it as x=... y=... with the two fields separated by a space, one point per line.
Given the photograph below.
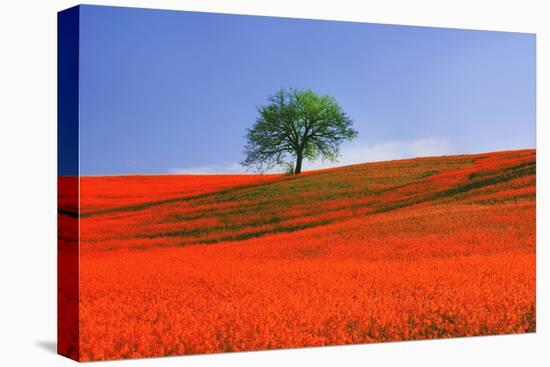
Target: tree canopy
x=293 y=125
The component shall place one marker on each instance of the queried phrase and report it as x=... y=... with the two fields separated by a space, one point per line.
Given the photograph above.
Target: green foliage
x=294 y=125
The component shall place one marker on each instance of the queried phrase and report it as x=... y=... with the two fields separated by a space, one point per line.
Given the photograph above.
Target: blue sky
x=173 y=92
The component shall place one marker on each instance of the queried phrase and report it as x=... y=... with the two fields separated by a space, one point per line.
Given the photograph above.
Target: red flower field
x=401 y=250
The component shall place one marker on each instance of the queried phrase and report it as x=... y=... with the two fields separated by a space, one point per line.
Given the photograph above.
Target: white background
x=28 y=182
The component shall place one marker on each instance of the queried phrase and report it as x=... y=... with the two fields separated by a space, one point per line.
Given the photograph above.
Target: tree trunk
x=299 y=159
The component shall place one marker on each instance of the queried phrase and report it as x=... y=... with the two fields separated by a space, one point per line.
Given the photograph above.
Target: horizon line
x=306 y=171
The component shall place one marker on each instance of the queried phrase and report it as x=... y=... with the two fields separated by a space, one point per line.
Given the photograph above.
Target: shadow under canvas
x=50 y=346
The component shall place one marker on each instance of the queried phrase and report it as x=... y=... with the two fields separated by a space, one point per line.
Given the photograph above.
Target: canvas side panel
x=68 y=183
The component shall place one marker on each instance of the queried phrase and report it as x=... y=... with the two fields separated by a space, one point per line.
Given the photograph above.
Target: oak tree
x=293 y=125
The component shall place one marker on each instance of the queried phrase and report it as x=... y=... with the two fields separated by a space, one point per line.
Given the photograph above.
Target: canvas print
x=238 y=183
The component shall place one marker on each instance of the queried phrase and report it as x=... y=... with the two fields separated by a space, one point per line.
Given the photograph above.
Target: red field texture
x=411 y=249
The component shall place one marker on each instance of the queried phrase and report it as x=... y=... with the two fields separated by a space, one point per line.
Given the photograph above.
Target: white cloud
x=230 y=168
x=356 y=153
x=353 y=153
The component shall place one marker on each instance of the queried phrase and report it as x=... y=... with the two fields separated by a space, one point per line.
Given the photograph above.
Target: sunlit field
x=401 y=250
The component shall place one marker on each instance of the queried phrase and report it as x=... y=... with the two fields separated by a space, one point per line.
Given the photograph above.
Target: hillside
x=227 y=210
x=402 y=250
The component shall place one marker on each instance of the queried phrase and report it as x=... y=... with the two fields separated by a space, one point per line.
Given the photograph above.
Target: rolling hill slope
x=286 y=204
x=411 y=249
